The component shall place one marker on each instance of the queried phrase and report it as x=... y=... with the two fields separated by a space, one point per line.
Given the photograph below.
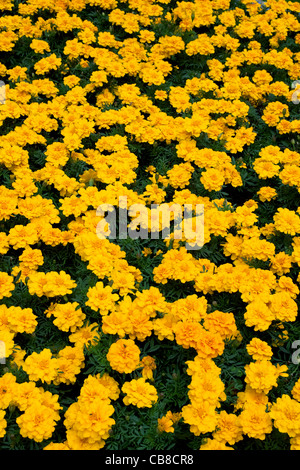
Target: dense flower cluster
x=161 y=102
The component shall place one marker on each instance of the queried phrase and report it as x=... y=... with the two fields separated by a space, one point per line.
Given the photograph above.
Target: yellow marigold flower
x=150 y=300
x=286 y=415
x=39 y=46
x=206 y=387
x=161 y=95
x=255 y=421
x=287 y=221
x=68 y=317
x=87 y=335
x=20 y=236
x=124 y=356
x=262 y=375
x=22 y=320
x=41 y=366
x=69 y=362
x=265 y=169
x=90 y=421
x=281 y=263
x=188 y=334
x=37 y=422
x=46 y=64
x=139 y=393
x=164 y=327
x=148 y=364
x=92 y=388
x=202 y=417
x=210 y=344
x=101 y=298
x=31 y=258
x=165 y=424
x=259 y=349
x=95 y=386
x=58 y=283
x=283 y=307
x=259 y=315
x=17 y=73
x=229 y=430
x=285 y=284
x=221 y=322
x=266 y=193
x=27 y=393
x=179 y=176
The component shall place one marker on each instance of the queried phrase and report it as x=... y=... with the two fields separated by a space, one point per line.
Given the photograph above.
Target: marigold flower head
x=262 y=375
x=255 y=421
x=286 y=415
x=140 y=393
x=124 y=356
x=259 y=349
x=41 y=366
x=37 y=422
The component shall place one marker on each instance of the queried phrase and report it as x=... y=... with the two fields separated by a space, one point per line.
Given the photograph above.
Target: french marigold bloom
x=68 y=317
x=287 y=221
x=281 y=263
x=69 y=362
x=165 y=424
x=210 y=344
x=41 y=366
x=258 y=315
x=212 y=179
x=221 y=322
x=149 y=365
x=124 y=356
x=37 y=422
x=259 y=349
x=266 y=193
x=206 y=387
x=286 y=415
x=22 y=320
x=101 y=298
x=202 y=417
x=283 y=307
x=188 y=333
x=228 y=429
x=255 y=421
x=140 y=393
x=90 y=420
x=262 y=375
x=87 y=335
x=26 y=394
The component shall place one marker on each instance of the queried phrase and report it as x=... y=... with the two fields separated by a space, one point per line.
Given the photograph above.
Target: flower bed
x=114 y=335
